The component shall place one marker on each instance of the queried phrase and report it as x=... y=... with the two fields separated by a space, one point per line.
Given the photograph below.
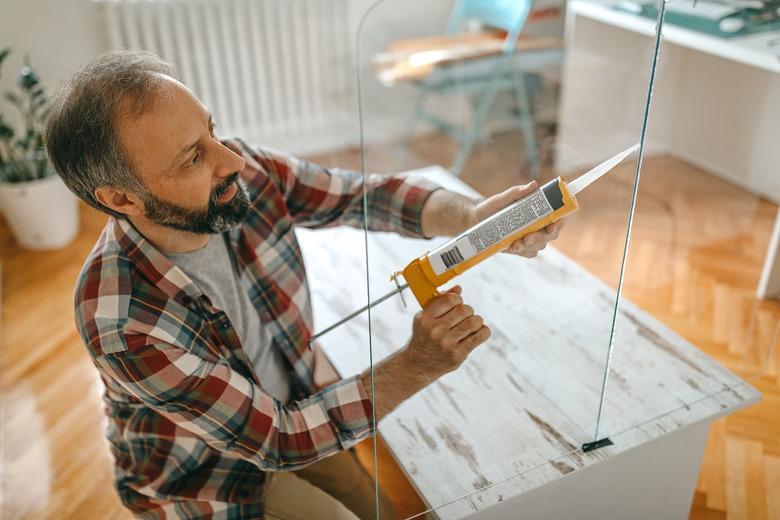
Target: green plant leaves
x=4 y=54
x=13 y=98
x=22 y=157
x=6 y=132
x=27 y=78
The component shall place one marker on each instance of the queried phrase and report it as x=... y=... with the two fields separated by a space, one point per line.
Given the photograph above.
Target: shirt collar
x=153 y=264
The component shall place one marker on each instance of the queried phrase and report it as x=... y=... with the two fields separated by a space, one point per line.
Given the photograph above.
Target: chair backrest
x=508 y=15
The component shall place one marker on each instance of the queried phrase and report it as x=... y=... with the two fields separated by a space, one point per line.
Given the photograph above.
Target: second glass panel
x=467 y=96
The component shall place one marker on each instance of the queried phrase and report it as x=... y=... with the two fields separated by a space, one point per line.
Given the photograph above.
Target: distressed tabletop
x=516 y=413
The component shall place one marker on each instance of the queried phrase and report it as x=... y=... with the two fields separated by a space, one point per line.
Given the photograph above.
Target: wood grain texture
x=692 y=265
x=56 y=463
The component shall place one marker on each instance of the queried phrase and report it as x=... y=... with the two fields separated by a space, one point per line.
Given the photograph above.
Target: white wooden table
x=714 y=103
x=501 y=436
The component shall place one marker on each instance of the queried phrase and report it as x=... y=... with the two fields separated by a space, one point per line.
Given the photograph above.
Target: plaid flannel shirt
x=190 y=428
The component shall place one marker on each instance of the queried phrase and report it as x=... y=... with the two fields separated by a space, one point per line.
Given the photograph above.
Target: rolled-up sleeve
x=232 y=414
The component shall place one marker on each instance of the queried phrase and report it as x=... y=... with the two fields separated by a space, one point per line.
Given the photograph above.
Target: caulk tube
x=533 y=212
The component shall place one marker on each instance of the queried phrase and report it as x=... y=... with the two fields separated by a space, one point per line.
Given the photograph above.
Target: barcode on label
x=452 y=257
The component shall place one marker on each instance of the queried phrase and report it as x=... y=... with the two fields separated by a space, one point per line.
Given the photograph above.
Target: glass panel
x=702 y=223
x=440 y=101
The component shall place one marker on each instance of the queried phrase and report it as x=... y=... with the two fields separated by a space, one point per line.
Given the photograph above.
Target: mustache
x=222 y=187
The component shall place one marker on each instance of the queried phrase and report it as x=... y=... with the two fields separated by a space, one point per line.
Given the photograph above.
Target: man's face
x=191 y=180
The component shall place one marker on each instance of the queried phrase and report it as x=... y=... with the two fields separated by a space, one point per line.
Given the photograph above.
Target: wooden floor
x=695 y=261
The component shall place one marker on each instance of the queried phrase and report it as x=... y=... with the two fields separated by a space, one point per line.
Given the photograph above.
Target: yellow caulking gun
x=533 y=212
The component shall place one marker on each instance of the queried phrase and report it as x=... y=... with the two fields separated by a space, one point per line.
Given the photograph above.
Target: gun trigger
x=400 y=289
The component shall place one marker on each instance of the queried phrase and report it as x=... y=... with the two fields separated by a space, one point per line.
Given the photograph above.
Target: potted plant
x=39 y=209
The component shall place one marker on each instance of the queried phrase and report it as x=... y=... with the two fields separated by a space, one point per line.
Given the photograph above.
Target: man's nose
x=230 y=162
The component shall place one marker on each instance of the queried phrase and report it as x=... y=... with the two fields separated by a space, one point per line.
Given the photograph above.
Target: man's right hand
x=443 y=335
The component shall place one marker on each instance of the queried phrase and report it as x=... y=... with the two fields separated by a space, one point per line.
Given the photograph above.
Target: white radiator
x=271 y=71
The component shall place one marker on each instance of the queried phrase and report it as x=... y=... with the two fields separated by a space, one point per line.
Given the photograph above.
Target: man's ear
x=119 y=200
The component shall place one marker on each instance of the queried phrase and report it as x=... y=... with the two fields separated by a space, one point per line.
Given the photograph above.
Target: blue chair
x=481 y=79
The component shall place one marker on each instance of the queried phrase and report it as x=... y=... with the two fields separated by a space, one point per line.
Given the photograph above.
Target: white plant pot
x=42 y=214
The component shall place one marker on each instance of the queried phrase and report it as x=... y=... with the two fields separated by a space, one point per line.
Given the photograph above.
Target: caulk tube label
x=515 y=217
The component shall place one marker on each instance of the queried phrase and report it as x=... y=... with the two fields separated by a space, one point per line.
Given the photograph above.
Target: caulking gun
x=535 y=211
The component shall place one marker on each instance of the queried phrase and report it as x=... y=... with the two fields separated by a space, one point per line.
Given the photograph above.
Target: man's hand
x=530 y=245
x=443 y=335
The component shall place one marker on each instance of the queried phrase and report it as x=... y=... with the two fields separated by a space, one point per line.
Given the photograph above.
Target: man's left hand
x=530 y=245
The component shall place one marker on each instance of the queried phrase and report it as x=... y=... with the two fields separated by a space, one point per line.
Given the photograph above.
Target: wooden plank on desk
x=415 y=59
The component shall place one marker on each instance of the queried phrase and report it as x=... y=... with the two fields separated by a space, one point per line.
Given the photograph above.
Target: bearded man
x=194 y=303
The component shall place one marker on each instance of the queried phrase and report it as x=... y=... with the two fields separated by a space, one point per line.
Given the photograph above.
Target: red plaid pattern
x=190 y=428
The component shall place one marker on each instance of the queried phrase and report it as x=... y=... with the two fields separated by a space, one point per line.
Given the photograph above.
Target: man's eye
x=195 y=159
x=211 y=129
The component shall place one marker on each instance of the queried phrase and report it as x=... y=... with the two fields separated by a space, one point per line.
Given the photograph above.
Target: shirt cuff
x=348 y=407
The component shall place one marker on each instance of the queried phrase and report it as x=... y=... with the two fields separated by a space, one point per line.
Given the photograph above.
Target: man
x=194 y=303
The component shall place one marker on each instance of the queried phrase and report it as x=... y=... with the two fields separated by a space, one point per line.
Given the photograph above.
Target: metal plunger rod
x=360 y=311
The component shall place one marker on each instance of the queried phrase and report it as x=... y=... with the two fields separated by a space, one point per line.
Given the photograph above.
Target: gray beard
x=215 y=218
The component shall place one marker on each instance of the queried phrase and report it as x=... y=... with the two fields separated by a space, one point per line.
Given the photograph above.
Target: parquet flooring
x=695 y=260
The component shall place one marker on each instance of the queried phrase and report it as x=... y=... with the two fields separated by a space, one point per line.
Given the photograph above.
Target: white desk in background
x=504 y=430
x=715 y=102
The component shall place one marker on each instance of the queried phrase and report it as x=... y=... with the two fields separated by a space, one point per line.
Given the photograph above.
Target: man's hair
x=81 y=134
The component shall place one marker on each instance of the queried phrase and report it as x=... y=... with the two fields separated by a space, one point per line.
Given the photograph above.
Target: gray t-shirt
x=212 y=268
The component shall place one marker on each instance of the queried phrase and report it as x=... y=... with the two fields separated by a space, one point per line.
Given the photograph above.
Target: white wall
x=726 y=120
x=58 y=36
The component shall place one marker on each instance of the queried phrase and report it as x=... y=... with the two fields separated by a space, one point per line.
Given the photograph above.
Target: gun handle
x=422 y=287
